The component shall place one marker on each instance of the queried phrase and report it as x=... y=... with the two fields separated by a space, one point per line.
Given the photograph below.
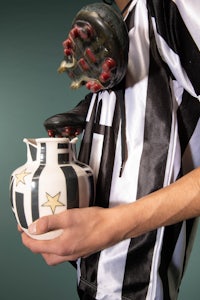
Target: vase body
x=51 y=181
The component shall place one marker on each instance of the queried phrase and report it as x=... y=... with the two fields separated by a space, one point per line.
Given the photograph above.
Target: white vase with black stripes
x=51 y=181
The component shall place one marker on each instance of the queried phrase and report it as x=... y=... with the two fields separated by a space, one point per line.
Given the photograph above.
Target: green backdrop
x=31 y=35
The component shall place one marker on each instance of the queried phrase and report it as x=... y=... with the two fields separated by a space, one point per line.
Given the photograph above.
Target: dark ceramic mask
x=96 y=48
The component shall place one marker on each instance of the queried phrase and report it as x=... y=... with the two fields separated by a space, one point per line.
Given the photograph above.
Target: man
x=162 y=126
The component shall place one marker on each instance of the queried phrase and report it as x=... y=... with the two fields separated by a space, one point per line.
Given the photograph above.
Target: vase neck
x=57 y=153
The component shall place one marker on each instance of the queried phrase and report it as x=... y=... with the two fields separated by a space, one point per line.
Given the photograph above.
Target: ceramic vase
x=51 y=181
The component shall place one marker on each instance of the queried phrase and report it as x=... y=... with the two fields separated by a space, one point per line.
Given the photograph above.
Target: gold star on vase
x=53 y=202
x=20 y=177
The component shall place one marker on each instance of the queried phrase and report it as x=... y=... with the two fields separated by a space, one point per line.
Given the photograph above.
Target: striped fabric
x=162 y=138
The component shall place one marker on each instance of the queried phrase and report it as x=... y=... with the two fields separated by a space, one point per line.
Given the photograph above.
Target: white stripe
x=91 y=107
x=78 y=270
x=106 y=119
x=138 y=64
x=111 y=271
x=95 y=159
x=108 y=107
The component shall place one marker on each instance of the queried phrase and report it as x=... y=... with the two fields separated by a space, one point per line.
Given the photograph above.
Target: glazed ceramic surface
x=96 y=49
x=51 y=181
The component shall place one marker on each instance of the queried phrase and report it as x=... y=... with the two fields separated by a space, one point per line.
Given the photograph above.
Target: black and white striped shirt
x=162 y=112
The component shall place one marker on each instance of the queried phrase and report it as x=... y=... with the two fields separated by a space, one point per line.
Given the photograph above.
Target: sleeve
x=176 y=26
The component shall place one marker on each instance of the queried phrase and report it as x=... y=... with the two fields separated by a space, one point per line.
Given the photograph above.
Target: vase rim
x=51 y=139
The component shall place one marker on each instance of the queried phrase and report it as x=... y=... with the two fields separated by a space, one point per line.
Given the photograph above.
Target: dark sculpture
x=95 y=55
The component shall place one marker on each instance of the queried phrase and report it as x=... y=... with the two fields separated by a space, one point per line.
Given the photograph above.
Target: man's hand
x=85 y=231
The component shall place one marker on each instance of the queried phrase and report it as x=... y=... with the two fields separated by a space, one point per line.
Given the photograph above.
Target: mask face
x=96 y=49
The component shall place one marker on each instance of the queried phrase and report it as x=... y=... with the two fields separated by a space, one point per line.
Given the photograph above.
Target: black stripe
x=91 y=189
x=98 y=128
x=90 y=181
x=71 y=187
x=152 y=170
x=157 y=124
x=63 y=158
x=98 y=114
x=35 y=193
x=33 y=152
x=11 y=190
x=130 y=20
x=20 y=209
x=172 y=28
x=88 y=265
x=63 y=146
x=188 y=115
x=80 y=164
x=89 y=268
x=86 y=143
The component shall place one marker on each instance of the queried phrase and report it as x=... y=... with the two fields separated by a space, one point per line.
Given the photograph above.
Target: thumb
x=43 y=225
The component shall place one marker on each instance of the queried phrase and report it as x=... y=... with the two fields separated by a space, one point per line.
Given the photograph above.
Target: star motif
x=20 y=176
x=53 y=202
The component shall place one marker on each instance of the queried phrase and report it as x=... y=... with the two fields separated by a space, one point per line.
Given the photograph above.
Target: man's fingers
x=40 y=246
x=51 y=250
x=53 y=259
x=45 y=224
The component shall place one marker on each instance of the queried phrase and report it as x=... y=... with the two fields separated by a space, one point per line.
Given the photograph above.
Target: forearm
x=177 y=202
x=88 y=230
